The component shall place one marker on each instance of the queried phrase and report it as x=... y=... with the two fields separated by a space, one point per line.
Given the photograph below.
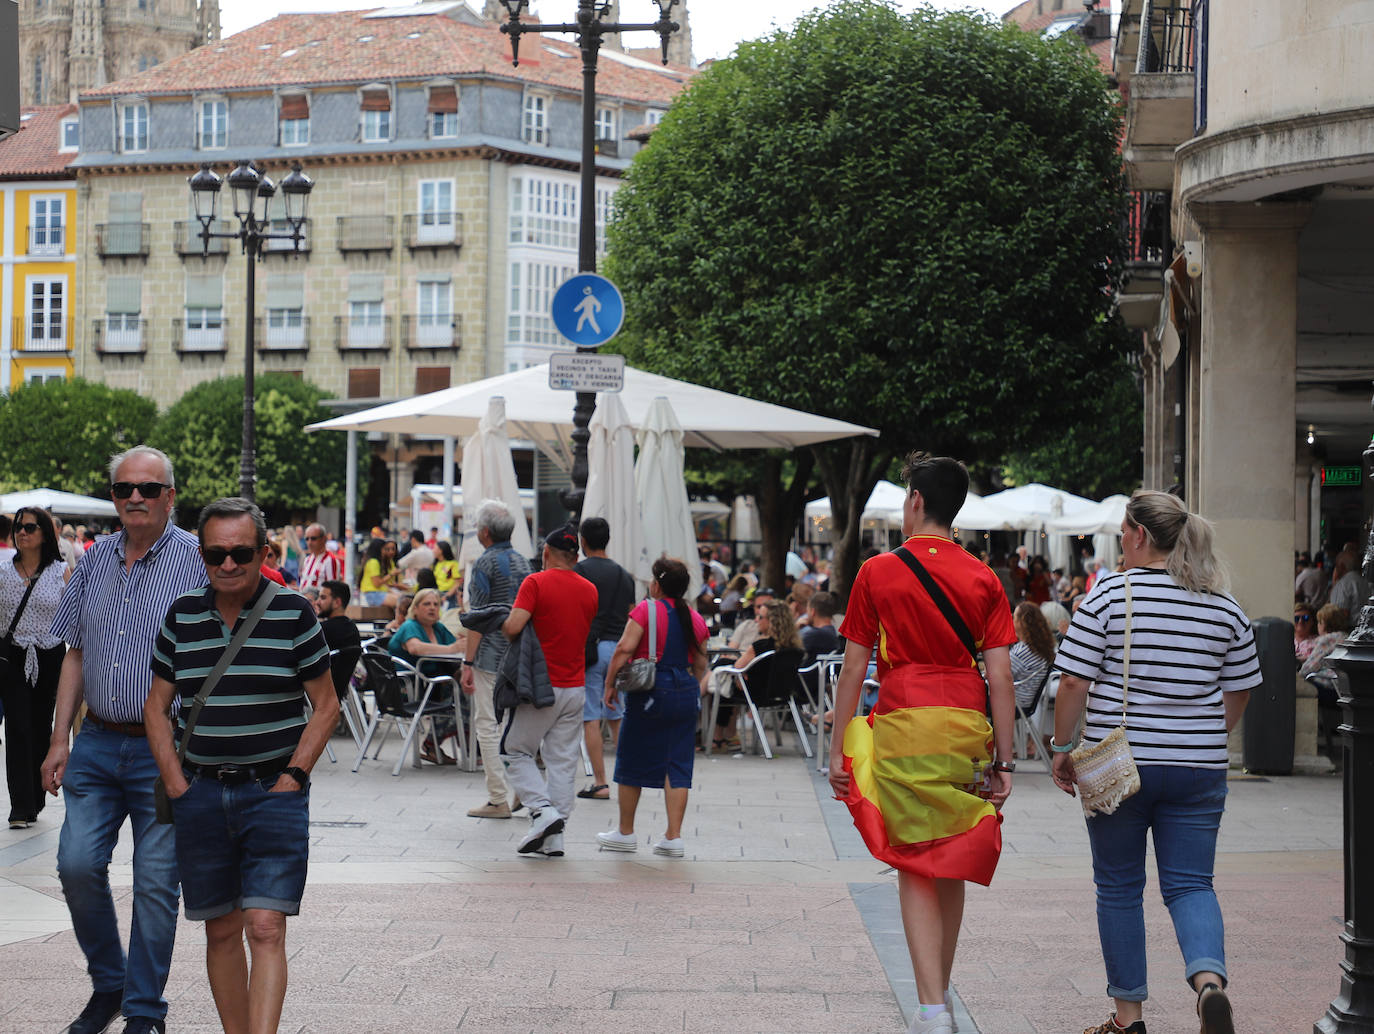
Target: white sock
x=928 y=1012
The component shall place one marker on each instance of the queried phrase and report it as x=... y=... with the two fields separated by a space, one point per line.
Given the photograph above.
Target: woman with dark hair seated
x=657 y=738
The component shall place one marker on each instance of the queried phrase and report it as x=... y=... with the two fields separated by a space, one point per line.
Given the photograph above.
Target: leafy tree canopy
x=61 y=434
x=202 y=433
x=907 y=221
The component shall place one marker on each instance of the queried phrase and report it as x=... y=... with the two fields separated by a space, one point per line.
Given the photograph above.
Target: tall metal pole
x=1352 y=1011
x=248 y=472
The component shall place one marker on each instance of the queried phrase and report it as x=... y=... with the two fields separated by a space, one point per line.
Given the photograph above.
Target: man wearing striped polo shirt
x=240 y=800
x=110 y=611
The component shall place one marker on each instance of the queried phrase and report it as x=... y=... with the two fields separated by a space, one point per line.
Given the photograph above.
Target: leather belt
x=235 y=774
x=123 y=728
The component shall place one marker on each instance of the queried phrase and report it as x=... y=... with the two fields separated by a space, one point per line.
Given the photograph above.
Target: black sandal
x=593 y=792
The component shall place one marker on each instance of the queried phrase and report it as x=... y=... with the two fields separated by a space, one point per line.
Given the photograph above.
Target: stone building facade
x=69 y=46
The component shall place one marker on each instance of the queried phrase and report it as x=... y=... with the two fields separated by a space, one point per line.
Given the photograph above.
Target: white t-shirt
x=1187 y=649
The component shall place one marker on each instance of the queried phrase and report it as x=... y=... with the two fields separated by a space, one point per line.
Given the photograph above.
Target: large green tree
x=202 y=433
x=911 y=222
x=61 y=434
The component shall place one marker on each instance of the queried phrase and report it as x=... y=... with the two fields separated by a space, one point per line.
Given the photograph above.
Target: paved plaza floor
x=418 y=918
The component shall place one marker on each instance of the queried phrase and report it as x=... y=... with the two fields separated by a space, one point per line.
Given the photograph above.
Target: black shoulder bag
x=8 y=639
x=946 y=607
x=162 y=804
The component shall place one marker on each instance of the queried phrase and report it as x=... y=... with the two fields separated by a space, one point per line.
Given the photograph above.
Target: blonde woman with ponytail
x=1192 y=666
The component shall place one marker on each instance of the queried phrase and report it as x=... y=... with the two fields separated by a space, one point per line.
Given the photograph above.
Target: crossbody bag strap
x=942 y=601
x=207 y=687
x=19 y=611
x=1126 y=652
x=653 y=629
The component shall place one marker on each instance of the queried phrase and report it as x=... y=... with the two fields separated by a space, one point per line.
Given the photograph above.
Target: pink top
x=640 y=616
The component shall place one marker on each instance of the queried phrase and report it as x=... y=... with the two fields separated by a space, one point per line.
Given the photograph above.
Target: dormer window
x=293 y=120
x=376 y=113
x=213 y=123
x=71 y=134
x=133 y=127
x=443 y=112
x=535 y=125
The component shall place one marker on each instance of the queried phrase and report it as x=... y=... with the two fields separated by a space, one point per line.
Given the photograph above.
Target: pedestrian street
x=419 y=918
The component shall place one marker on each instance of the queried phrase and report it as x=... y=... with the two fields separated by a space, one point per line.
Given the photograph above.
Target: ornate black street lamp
x=589 y=30
x=252 y=192
x=1352 y=1011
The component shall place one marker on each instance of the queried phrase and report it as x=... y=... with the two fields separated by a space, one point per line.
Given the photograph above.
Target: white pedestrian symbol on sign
x=587 y=309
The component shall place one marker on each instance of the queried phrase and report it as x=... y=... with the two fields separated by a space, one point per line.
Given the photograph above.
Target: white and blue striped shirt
x=112 y=614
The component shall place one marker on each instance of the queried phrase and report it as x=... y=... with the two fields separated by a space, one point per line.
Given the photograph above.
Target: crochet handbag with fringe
x=1105 y=771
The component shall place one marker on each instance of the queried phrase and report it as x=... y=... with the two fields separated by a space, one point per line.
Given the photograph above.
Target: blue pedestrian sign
x=588 y=310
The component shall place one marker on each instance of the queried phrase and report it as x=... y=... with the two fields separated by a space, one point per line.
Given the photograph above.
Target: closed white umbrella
x=661 y=492
x=611 y=480
x=489 y=473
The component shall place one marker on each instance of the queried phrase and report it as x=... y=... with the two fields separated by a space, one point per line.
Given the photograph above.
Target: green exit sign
x=1341 y=477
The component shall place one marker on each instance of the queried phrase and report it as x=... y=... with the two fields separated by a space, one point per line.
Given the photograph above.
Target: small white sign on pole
x=586 y=371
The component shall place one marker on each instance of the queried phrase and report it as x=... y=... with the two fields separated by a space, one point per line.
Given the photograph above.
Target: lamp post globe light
x=589 y=29
x=252 y=192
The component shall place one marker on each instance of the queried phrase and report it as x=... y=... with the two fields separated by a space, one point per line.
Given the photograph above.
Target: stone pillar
x=1246 y=393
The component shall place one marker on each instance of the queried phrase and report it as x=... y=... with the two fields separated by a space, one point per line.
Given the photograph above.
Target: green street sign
x=1340 y=477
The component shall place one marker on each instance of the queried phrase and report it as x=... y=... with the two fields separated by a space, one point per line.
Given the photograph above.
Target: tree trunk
x=780 y=508
x=849 y=473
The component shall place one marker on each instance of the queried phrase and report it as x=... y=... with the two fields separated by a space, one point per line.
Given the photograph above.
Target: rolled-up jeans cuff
x=1206 y=966
x=1134 y=994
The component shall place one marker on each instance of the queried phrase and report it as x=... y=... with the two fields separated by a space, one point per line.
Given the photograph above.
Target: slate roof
x=407 y=43
x=32 y=152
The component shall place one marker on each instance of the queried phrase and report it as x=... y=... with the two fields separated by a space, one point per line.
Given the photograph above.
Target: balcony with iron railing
x=48 y=240
x=1150 y=249
x=433 y=230
x=1159 y=45
x=431 y=332
x=199 y=337
x=121 y=240
x=362 y=334
x=274 y=334
x=40 y=332
x=287 y=245
x=119 y=334
x=366 y=233
x=187 y=242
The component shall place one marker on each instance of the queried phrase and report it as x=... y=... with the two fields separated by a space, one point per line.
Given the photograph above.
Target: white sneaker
x=669 y=848
x=542 y=825
x=941 y=1024
x=614 y=840
x=553 y=846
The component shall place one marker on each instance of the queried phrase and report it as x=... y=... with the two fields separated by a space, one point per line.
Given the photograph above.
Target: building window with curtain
x=293 y=120
x=365 y=325
x=122 y=234
x=203 y=324
x=133 y=128
x=376 y=114
x=285 y=323
x=443 y=112
x=214 y=124
x=122 y=329
x=535 y=123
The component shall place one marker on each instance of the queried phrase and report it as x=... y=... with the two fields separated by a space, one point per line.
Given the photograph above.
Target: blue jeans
x=108 y=776
x=1182 y=807
x=241 y=846
x=594 y=707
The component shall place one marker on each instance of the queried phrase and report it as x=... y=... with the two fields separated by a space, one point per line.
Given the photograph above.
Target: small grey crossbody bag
x=639 y=676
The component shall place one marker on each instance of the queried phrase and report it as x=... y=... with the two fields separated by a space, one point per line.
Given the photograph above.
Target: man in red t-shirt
x=558 y=604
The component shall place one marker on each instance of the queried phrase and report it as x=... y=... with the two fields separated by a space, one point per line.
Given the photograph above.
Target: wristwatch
x=299 y=774
x=997 y=766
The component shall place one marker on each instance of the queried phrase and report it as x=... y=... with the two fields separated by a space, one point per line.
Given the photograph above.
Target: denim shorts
x=240 y=846
x=594 y=707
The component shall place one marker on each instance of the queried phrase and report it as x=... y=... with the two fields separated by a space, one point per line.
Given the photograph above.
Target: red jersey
x=889 y=606
x=561 y=604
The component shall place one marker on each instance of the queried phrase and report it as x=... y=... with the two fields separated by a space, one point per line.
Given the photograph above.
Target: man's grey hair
x=117 y=461
x=495 y=516
x=233 y=506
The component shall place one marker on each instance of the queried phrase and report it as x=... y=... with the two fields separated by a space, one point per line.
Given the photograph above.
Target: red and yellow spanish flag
x=914 y=764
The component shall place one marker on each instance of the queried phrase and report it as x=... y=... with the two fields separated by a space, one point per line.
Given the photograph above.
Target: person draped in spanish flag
x=911 y=772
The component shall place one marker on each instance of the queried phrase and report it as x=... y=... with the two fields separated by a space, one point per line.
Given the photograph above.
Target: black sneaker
x=1214 y=1009
x=143 y=1025
x=99 y=1013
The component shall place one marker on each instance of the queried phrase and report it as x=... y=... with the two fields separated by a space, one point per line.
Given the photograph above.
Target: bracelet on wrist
x=1064 y=749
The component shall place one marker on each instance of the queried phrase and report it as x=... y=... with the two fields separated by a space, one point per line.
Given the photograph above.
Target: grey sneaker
x=542 y=824
x=490 y=811
x=99 y=1013
x=553 y=846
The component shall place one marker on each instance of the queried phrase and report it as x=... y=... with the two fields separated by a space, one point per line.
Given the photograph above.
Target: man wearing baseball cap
x=558 y=604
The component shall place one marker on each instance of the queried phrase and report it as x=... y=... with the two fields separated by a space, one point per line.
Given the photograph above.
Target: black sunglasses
x=27 y=526
x=215 y=556
x=147 y=489
x=1302 y=617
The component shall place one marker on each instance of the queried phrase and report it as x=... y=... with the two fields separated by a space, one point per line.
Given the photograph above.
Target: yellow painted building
x=38 y=247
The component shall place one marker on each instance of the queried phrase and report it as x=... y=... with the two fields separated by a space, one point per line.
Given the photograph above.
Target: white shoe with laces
x=666 y=848
x=943 y=1023
x=614 y=840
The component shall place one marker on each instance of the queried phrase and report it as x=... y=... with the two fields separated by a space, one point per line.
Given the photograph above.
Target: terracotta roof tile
x=1102 y=49
x=350 y=47
x=33 y=150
